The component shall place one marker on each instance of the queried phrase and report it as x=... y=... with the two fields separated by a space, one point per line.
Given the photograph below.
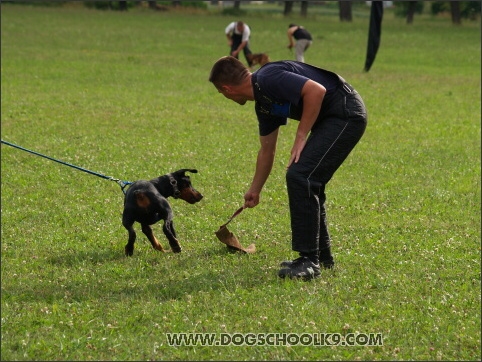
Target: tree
x=288 y=8
x=345 y=10
x=455 y=10
x=304 y=8
x=412 y=6
x=408 y=9
x=458 y=9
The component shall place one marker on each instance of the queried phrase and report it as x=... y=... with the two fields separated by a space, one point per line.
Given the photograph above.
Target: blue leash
x=121 y=183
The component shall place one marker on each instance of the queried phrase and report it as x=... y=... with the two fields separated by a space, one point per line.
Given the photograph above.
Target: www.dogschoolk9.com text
x=274 y=339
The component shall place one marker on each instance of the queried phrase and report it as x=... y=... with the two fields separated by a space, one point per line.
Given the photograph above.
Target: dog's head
x=258 y=58
x=182 y=183
x=264 y=59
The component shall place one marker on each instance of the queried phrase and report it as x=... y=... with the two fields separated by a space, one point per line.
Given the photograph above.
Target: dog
x=146 y=202
x=258 y=58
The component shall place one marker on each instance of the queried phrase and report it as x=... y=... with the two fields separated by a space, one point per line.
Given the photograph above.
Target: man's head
x=228 y=74
x=240 y=26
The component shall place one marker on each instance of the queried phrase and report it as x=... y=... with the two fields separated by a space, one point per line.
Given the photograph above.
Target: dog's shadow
x=91 y=256
x=171 y=279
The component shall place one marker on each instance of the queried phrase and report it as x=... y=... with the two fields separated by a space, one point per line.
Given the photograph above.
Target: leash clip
x=123 y=184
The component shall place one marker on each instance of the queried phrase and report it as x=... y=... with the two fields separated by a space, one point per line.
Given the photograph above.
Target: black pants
x=340 y=126
x=237 y=40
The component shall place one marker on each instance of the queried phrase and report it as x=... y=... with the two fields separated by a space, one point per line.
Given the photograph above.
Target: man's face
x=230 y=93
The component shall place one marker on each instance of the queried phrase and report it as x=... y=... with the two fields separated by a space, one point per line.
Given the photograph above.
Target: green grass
x=126 y=94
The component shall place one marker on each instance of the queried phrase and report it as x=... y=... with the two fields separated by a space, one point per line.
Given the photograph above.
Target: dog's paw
x=129 y=250
x=176 y=249
x=158 y=247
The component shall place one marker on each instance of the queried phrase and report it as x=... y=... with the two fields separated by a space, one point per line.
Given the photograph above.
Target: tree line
x=458 y=9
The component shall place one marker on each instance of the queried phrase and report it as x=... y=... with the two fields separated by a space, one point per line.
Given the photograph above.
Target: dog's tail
x=141 y=199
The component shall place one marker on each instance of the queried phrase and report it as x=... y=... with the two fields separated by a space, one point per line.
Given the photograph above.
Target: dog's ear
x=184 y=170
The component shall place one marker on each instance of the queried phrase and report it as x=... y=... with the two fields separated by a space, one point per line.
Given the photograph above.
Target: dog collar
x=173 y=182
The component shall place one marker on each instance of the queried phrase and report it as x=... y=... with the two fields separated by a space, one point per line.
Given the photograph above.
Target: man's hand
x=251 y=199
x=298 y=146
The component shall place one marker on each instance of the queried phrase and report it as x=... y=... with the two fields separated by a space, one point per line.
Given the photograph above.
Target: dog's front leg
x=147 y=230
x=129 y=248
x=170 y=233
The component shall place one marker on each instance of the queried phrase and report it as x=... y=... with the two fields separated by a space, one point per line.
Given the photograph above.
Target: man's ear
x=226 y=89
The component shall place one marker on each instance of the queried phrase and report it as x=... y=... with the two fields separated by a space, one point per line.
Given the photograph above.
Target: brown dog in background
x=258 y=58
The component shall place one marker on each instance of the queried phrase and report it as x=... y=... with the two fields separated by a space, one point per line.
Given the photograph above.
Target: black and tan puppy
x=146 y=202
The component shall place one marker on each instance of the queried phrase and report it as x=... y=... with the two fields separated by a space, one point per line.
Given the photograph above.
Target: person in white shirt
x=238 y=34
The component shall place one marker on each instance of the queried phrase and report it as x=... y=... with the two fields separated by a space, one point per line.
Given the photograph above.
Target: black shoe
x=287 y=263
x=328 y=264
x=302 y=267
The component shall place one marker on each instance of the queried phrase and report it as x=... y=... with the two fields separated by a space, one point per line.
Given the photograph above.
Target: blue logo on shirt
x=280 y=110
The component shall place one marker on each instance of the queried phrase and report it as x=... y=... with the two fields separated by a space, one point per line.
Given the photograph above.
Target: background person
x=301 y=39
x=238 y=34
x=332 y=119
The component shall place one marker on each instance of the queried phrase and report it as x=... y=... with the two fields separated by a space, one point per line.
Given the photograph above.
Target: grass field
x=126 y=95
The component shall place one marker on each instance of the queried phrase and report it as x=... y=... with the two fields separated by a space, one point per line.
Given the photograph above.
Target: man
x=332 y=119
x=302 y=37
x=238 y=34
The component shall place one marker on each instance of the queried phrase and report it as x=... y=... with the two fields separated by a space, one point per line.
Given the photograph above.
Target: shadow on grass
x=104 y=275
x=93 y=256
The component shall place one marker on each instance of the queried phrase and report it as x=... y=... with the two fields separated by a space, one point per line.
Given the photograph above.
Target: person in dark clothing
x=238 y=34
x=301 y=39
x=332 y=119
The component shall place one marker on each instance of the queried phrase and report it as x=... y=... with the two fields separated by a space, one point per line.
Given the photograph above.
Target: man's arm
x=312 y=94
x=264 y=164
x=229 y=31
x=244 y=40
x=240 y=47
x=290 y=36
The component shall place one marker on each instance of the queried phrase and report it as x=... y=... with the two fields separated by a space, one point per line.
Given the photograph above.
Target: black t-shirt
x=277 y=91
x=302 y=33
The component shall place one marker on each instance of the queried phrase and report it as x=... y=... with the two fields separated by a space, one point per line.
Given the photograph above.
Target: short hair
x=291 y=25
x=228 y=71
